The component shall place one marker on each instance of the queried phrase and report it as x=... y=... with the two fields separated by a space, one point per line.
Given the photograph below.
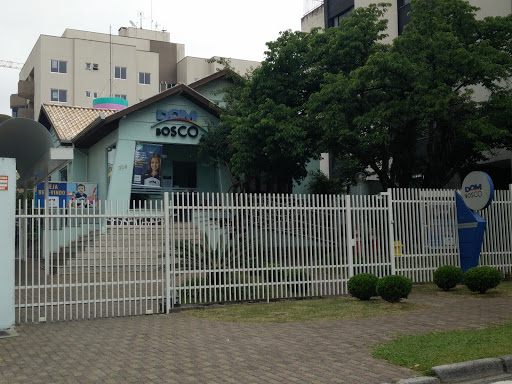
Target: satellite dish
x=360 y=177
x=133 y=24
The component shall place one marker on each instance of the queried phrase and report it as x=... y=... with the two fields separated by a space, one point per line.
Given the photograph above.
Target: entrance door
x=185 y=175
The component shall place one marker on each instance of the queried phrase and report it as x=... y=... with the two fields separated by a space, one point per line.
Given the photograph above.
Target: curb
x=483 y=369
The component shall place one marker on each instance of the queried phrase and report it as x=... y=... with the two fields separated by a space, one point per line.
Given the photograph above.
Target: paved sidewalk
x=177 y=348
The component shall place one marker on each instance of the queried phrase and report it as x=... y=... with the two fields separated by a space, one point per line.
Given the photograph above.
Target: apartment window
x=88 y=66
x=342 y=15
x=58 y=66
x=120 y=96
x=95 y=95
x=95 y=67
x=120 y=73
x=59 y=95
x=87 y=93
x=144 y=78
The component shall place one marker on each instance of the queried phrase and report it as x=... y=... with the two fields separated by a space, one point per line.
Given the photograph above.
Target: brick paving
x=177 y=348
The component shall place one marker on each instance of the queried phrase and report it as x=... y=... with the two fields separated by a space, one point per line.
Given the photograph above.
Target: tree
x=271 y=135
x=412 y=109
x=216 y=143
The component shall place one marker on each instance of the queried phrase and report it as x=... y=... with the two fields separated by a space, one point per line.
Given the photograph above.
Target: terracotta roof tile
x=70 y=121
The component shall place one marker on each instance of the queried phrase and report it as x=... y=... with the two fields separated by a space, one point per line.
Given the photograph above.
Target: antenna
x=141 y=15
x=133 y=24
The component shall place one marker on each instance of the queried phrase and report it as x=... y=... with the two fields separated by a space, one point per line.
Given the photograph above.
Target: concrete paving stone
x=182 y=349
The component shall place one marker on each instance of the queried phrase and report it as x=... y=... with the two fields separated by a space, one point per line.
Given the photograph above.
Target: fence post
x=391 y=222
x=350 y=238
x=167 y=269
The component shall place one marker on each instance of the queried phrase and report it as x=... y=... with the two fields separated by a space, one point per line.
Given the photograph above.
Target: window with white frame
x=88 y=66
x=87 y=93
x=95 y=67
x=120 y=73
x=144 y=78
x=59 y=95
x=58 y=66
x=95 y=95
x=120 y=96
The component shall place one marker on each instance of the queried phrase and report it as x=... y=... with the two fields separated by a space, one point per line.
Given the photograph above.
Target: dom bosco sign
x=177 y=116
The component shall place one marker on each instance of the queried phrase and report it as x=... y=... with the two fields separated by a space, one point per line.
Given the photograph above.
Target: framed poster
x=147 y=164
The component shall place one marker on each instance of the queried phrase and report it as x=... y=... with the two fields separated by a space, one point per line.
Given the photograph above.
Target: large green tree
x=430 y=104
x=416 y=110
x=267 y=127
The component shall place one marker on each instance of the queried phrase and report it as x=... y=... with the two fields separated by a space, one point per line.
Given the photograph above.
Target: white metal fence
x=108 y=260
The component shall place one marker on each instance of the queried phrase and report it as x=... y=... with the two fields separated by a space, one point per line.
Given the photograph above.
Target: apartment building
x=80 y=66
x=327 y=13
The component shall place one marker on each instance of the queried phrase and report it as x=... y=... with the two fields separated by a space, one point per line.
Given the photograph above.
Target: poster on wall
x=62 y=194
x=147 y=164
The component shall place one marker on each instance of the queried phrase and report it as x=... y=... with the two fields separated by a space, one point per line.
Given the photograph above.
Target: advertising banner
x=62 y=194
x=147 y=164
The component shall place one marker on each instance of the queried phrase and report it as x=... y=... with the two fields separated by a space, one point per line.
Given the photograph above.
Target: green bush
x=393 y=288
x=447 y=277
x=363 y=286
x=481 y=279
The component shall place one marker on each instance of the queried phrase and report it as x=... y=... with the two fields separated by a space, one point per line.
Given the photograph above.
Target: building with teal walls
x=107 y=143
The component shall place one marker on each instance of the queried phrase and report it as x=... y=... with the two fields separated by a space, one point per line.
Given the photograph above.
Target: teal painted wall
x=77 y=169
x=210 y=90
x=121 y=179
x=97 y=164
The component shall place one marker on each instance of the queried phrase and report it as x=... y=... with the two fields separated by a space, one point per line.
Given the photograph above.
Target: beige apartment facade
x=325 y=14
x=80 y=66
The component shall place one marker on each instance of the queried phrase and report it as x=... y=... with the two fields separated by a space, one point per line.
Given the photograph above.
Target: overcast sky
x=227 y=28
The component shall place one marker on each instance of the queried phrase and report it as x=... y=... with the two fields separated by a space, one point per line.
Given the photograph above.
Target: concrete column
x=7 y=235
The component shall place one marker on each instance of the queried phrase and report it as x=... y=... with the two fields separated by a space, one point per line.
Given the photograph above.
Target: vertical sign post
x=7 y=239
x=477 y=193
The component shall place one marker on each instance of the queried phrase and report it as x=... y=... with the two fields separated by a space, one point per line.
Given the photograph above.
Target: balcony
x=18 y=101
x=26 y=89
x=26 y=112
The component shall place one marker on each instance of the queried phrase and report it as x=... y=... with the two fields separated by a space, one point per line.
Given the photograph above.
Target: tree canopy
x=415 y=110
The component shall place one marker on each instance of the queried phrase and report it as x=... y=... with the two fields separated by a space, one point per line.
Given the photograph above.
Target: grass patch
x=422 y=352
x=304 y=310
x=502 y=290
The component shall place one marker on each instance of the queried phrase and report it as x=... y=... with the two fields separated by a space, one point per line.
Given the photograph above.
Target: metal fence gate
x=89 y=262
x=191 y=248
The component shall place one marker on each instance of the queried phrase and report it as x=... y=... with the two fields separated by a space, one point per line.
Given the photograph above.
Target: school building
x=113 y=148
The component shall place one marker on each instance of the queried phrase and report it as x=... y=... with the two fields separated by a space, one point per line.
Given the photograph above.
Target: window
x=346 y=13
x=87 y=93
x=144 y=78
x=58 y=66
x=120 y=73
x=59 y=95
x=401 y=3
x=95 y=95
x=95 y=67
x=88 y=66
x=120 y=96
x=63 y=174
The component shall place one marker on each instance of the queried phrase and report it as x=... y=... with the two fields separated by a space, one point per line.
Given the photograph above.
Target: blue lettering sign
x=474 y=187
x=175 y=114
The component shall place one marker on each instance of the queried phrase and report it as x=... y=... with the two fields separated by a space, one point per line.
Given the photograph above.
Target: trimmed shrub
x=481 y=279
x=447 y=277
x=363 y=286
x=393 y=288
